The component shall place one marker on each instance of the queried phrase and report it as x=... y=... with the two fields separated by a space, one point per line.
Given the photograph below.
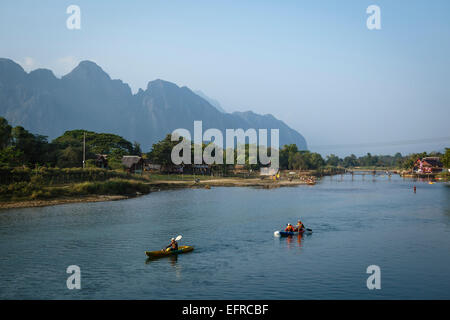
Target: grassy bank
x=59 y=176
x=36 y=190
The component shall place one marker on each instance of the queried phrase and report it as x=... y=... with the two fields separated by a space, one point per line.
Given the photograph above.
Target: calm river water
x=356 y=223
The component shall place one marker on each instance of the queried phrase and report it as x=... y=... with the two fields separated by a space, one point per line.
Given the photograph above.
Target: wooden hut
x=101 y=161
x=150 y=166
x=133 y=164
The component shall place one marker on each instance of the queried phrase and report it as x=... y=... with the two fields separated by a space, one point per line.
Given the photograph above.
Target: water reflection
x=294 y=241
x=172 y=260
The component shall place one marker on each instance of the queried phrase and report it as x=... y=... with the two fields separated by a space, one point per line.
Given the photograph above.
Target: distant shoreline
x=161 y=183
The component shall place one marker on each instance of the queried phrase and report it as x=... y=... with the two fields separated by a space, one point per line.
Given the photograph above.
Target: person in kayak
x=289 y=228
x=299 y=226
x=173 y=245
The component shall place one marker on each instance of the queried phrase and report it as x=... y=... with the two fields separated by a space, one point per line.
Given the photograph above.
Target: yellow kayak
x=161 y=253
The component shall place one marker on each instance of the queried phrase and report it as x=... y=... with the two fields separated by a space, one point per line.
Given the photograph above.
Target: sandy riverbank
x=52 y=202
x=229 y=182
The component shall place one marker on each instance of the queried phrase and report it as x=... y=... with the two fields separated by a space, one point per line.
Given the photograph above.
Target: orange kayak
x=162 y=253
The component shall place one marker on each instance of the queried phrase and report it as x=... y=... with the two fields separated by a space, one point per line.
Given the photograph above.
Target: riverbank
x=115 y=189
x=37 y=194
x=52 y=202
x=229 y=182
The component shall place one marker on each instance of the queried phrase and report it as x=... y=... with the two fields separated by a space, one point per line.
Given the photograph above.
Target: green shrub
x=40 y=194
x=55 y=176
x=35 y=189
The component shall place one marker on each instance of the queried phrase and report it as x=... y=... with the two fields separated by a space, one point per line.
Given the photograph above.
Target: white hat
x=172 y=239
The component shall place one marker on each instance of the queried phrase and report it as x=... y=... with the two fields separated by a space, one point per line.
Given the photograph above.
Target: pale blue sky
x=312 y=64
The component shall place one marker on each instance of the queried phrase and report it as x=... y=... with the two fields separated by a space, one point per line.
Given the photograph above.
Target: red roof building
x=428 y=165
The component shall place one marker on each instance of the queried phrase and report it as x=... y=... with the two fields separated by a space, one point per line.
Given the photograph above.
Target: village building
x=175 y=169
x=101 y=161
x=428 y=165
x=133 y=164
x=203 y=169
x=150 y=166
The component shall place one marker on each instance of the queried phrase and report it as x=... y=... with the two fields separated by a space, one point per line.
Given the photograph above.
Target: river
x=357 y=222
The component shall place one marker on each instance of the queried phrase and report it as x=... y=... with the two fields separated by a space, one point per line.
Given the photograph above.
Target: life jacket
x=289 y=228
x=172 y=246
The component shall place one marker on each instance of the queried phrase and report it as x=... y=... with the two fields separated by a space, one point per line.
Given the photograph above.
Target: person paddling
x=172 y=246
x=289 y=228
x=300 y=226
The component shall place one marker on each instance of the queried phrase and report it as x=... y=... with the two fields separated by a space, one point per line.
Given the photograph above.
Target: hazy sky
x=312 y=64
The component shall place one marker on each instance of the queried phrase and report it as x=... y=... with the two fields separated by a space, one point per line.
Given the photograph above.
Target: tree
x=71 y=142
x=20 y=147
x=446 y=158
x=286 y=155
x=298 y=161
x=97 y=143
x=305 y=160
x=162 y=151
x=33 y=147
x=70 y=157
x=333 y=160
x=350 y=161
x=11 y=157
x=137 y=149
x=398 y=158
x=5 y=133
x=316 y=161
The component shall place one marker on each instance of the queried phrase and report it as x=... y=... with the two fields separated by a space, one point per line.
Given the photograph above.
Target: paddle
x=176 y=239
x=307 y=229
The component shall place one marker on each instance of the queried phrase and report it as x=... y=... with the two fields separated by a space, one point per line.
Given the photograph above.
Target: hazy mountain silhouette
x=87 y=98
x=212 y=101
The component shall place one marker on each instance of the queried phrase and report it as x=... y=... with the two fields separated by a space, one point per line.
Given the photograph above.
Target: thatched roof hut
x=133 y=163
